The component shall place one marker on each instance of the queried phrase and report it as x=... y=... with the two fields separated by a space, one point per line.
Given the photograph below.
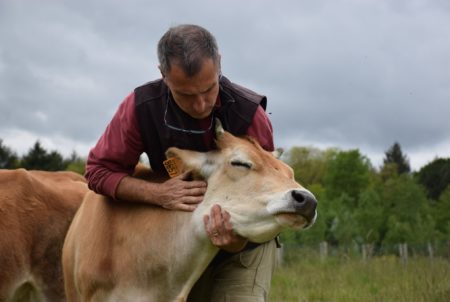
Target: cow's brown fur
x=36 y=208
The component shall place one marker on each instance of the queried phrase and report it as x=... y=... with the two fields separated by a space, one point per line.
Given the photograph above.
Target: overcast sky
x=348 y=74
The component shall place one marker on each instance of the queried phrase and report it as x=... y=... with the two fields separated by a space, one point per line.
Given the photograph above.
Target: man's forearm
x=176 y=193
x=137 y=190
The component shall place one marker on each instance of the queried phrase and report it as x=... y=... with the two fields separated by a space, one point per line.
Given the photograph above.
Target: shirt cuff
x=111 y=183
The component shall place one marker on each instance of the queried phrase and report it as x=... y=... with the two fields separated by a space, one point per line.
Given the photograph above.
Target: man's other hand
x=220 y=231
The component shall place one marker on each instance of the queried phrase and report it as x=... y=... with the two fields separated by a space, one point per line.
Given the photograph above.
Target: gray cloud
x=337 y=73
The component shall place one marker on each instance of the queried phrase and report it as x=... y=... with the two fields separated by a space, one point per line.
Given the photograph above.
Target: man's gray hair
x=187 y=46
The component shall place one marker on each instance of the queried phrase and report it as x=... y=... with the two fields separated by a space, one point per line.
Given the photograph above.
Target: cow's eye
x=237 y=163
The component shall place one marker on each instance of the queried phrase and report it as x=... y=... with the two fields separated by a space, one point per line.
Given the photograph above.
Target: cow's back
x=36 y=208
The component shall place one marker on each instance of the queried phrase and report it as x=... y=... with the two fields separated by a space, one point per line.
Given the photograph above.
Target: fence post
x=448 y=249
x=430 y=250
x=323 y=250
x=403 y=251
x=367 y=251
x=280 y=255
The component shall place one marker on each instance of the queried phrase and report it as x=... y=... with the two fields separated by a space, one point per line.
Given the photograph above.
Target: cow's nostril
x=298 y=196
x=305 y=203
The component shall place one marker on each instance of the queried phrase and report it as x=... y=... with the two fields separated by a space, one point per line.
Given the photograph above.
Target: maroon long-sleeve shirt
x=118 y=150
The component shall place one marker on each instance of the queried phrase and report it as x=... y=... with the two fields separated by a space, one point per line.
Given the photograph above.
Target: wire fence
x=403 y=251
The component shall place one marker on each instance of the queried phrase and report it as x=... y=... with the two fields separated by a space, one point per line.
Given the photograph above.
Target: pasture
x=304 y=277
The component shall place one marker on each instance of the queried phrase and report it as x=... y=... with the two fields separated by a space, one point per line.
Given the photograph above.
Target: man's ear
x=162 y=73
x=219 y=65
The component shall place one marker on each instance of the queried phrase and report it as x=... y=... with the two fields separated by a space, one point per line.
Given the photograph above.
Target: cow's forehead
x=245 y=143
x=247 y=148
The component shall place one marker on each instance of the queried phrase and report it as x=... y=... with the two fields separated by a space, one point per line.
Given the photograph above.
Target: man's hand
x=220 y=231
x=180 y=194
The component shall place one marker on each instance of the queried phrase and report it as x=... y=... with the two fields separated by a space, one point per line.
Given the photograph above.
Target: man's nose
x=199 y=103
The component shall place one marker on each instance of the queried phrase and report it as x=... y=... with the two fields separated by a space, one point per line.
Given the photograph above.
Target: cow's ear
x=197 y=162
x=219 y=129
x=223 y=138
x=278 y=152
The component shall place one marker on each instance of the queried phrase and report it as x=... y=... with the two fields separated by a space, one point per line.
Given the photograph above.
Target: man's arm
x=117 y=151
x=175 y=194
x=113 y=159
x=261 y=129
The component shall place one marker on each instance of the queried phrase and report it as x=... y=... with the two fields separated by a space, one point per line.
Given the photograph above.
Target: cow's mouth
x=292 y=220
x=295 y=209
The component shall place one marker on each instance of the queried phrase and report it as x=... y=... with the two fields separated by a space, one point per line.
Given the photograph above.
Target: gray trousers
x=241 y=277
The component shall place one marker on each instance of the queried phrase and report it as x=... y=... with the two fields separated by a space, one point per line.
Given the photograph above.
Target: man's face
x=195 y=95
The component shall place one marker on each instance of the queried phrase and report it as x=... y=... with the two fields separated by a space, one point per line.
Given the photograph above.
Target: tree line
x=364 y=206
x=358 y=203
x=38 y=158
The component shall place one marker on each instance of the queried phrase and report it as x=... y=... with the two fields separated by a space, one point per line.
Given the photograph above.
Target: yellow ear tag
x=173 y=166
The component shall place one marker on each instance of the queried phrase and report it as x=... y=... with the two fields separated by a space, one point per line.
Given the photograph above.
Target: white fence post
x=323 y=250
x=280 y=255
x=403 y=251
x=367 y=251
x=430 y=250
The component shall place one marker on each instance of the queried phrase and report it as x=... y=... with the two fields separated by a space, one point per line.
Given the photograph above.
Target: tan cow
x=118 y=251
x=36 y=209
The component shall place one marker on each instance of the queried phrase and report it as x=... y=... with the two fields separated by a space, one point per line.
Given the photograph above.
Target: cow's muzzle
x=305 y=204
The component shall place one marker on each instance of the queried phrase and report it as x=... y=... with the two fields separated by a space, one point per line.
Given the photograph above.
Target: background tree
x=341 y=220
x=370 y=216
x=394 y=155
x=38 y=158
x=76 y=164
x=347 y=173
x=8 y=158
x=388 y=171
x=408 y=212
x=441 y=214
x=309 y=163
x=435 y=177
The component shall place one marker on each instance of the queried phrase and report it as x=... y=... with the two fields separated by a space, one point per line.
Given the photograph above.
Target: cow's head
x=257 y=189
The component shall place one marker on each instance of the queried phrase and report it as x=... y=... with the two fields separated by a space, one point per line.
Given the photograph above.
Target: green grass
x=306 y=278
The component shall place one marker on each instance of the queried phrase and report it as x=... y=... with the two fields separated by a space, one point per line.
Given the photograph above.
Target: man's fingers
x=216 y=217
x=216 y=210
x=207 y=224
x=226 y=216
x=206 y=220
x=192 y=199
x=186 y=175
x=195 y=192
x=227 y=220
x=186 y=207
x=195 y=184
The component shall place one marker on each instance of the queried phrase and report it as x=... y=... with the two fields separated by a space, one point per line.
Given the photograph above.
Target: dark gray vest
x=238 y=106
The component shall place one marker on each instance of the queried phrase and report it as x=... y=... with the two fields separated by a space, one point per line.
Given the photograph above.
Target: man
x=179 y=110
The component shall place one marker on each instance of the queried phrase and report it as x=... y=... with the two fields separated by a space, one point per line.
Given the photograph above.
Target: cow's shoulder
x=57 y=176
x=9 y=176
x=13 y=182
x=22 y=188
x=22 y=177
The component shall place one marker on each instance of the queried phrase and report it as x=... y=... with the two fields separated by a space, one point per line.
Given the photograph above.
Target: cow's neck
x=193 y=249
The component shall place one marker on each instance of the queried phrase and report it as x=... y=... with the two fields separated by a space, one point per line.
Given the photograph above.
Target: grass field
x=305 y=278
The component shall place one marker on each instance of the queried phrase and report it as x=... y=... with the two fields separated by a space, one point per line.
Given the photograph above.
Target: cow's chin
x=290 y=220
